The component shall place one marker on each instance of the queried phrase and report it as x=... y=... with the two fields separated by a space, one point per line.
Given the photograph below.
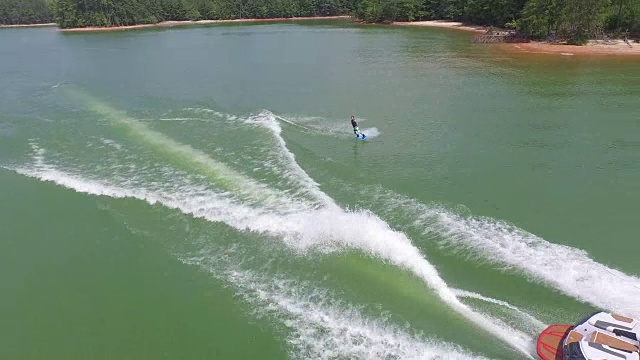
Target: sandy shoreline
x=614 y=47
x=444 y=24
x=617 y=47
x=27 y=25
x=198 y=22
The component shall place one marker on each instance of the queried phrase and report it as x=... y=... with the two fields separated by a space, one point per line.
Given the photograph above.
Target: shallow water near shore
x=198 y=193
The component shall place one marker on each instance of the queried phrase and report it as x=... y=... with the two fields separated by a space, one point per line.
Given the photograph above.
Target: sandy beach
x=198 y=22
x=593 y=47
x=444 y=24
x=614 y=47
x=27 y=25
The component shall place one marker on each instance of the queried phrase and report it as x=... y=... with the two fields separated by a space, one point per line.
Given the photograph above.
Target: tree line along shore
x=565 y=21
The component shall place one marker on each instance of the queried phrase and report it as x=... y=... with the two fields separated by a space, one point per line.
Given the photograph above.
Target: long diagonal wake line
x=567 y=269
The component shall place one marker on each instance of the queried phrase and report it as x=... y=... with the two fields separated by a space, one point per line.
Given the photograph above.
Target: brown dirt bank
x=614 y=47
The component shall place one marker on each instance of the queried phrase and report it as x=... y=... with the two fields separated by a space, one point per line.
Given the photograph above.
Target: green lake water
x=197 y=193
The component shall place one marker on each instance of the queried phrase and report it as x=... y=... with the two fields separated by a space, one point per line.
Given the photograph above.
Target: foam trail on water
x=537 y=324
x=85 y=186
x=268 y=120
x=179 y=119
x=321 y=327
x=324 y=229
x=291 y=122
x=568 y=269
x=211 y=112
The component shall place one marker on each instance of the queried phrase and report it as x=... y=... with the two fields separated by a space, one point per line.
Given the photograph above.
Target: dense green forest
x=576 y=20
x=25 y=12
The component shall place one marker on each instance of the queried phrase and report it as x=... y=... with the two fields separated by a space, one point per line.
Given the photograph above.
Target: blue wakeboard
x=363 y=137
